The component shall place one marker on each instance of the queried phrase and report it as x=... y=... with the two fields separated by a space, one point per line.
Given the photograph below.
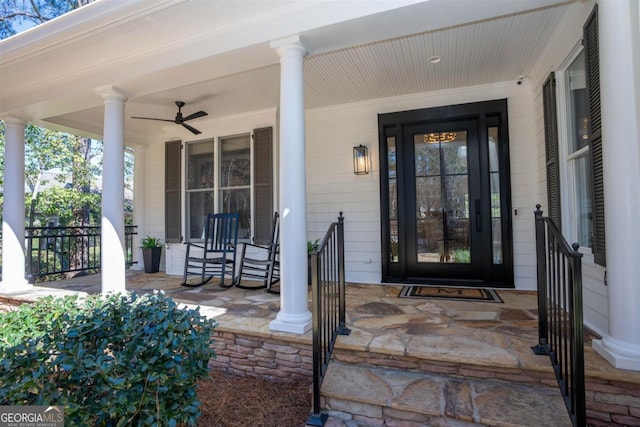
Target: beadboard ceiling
x=482 y=52
x=492 y=51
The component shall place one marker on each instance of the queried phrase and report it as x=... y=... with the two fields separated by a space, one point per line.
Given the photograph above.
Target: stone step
x=355 y=395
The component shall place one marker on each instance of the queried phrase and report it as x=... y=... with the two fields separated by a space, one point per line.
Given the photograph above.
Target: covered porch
x=407 y=359
x=318 y=76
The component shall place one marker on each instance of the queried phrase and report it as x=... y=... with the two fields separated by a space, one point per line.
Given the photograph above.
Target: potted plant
x=151 y=253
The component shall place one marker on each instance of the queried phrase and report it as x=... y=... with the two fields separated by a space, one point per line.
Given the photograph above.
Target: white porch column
x=294 y=315
x=112 y=240
x=619 y=87
x=139 y=202
x=13 y=214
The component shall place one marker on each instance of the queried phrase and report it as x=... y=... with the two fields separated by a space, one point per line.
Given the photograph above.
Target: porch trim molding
x=620 y=354
x=620 y=80
x=13 y=259
x=294 y=315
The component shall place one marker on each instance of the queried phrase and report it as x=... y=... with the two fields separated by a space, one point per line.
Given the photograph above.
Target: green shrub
x=109 y=360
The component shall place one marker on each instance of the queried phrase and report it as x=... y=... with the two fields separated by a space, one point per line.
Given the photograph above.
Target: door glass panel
x=442 y=197
x=494 y=177
x=428 y=218
x=393 y=199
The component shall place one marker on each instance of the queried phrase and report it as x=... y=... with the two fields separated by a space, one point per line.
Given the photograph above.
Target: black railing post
x=342 y=328
x=316 y=418
x=578 y=339
x=30 y=276
x=542 y=347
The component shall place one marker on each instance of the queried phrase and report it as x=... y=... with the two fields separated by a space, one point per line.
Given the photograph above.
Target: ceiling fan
x=179 y=120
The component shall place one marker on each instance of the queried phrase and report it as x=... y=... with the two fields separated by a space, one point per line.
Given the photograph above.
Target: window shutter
x=263 y=184
x=173 y=192
x=592 y=65
x=551 y=149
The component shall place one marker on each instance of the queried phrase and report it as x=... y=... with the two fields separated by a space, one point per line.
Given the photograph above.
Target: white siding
x=332 y=186
x=560 y=46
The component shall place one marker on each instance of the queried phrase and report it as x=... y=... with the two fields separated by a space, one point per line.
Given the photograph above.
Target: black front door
x=442 y=184
x=445 y=198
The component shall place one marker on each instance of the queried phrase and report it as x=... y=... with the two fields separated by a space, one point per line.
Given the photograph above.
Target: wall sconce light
x=360 y=160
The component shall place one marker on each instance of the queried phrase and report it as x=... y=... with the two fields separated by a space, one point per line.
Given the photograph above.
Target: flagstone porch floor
x=496 y=335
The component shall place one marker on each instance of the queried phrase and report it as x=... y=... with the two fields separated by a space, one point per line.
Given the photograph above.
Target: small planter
x=151 y=258
x=151 y=254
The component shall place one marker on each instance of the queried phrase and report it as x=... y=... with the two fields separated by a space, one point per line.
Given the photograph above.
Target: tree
x=74 y=203
x=18 y=15
x=71 y=202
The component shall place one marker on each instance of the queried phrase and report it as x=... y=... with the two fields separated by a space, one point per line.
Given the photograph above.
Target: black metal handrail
x=328 y=301
x=560 y=324
x=52 y=251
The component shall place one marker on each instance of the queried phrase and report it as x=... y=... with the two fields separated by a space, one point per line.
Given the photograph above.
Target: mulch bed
x=230 y=400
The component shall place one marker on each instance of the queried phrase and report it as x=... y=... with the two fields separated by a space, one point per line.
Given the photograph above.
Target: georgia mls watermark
x=31 y=416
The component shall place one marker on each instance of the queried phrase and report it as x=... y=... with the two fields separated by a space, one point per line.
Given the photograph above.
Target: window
x=576 y=154
x=218 y=180
x=573 y=143
x=226 y=174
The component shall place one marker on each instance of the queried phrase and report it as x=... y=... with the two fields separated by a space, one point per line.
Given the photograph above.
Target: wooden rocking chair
x=264 y=266
x=216 y=256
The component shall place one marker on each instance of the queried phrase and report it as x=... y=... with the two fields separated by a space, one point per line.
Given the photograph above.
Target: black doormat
x=450 y=293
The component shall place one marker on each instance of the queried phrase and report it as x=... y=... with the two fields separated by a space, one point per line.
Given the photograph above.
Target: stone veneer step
x=356 y=395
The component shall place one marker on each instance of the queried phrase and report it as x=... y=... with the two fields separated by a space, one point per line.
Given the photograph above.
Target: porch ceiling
x=210 y=55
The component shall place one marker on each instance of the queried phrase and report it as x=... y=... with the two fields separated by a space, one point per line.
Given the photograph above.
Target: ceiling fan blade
x=192 y=129
x=151 y=118
x=194 y=116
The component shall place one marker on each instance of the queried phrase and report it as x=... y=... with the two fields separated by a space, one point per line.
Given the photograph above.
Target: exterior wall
x=562 y=43
x=332 y=186
x=173 y=256
x=331 y=134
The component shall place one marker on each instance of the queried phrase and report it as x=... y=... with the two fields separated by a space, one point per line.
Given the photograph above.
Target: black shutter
x=551 y=149
x=592 y=65
x=263 y=184
x=173 y=192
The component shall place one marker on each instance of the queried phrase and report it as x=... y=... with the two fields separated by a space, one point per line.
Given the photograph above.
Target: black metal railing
x=53 y=251
x=560 y=324
x=328 y=301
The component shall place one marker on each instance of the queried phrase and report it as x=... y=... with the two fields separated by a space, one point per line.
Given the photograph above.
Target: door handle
x=478 y=216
